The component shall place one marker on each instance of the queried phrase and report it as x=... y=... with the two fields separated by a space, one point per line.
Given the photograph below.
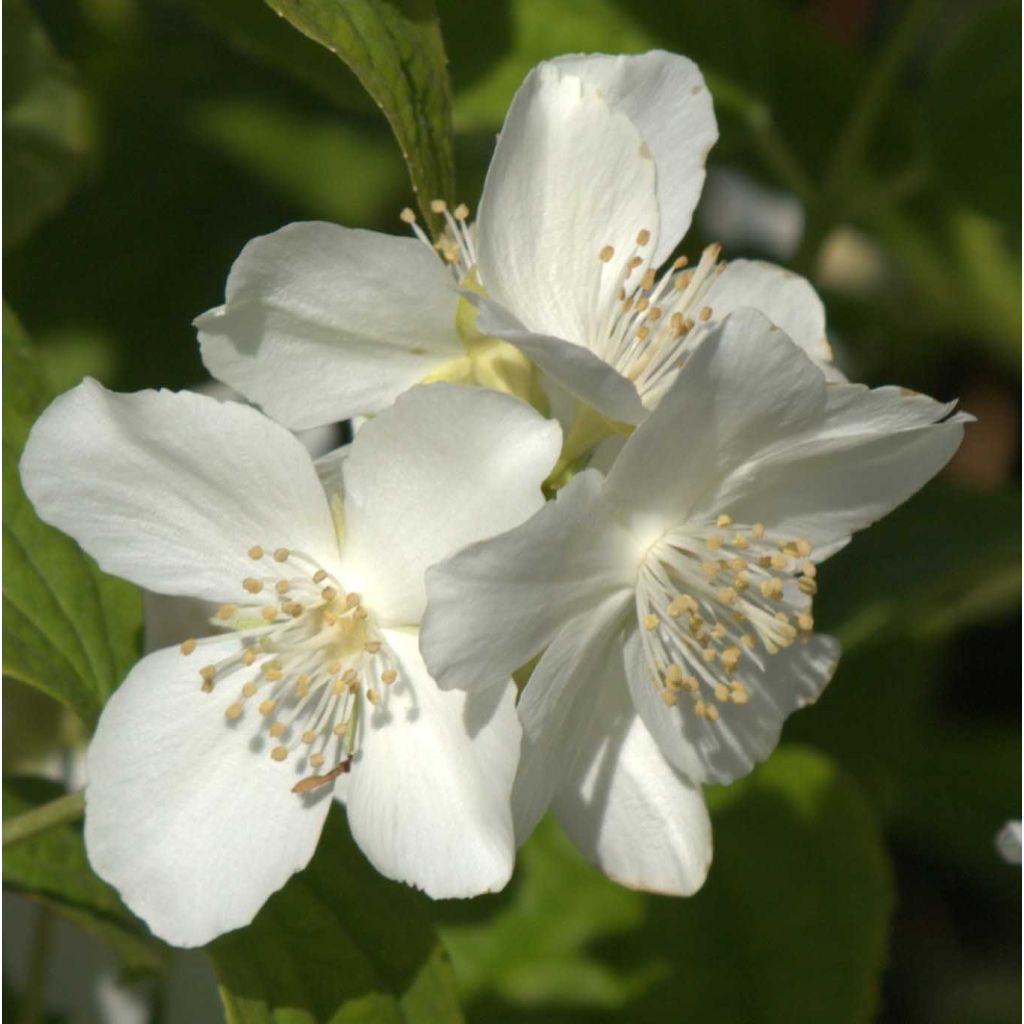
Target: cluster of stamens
x=645 y=329
x=714 y=602
x=456 y=244
x=314 y=655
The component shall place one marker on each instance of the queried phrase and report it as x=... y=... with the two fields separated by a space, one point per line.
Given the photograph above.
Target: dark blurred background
x=874 y=146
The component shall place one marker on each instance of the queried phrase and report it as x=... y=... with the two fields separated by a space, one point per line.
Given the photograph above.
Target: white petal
x=322 y=322
x=786 y=299
x=569 y=176
x=664 y=95
x=171 y=490
x=428 y=797
x=629 y=813
x=745 y=386
x=447 y=465
x=559 y=702
x=572 y=366
x=495 y=605
x=186 y=814
x=743 y=735
x=870 y=451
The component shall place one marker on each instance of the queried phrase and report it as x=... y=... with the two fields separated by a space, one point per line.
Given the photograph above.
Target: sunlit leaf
x=790 y=926
x=339 y=943
x=69 y=630
x=395 y=49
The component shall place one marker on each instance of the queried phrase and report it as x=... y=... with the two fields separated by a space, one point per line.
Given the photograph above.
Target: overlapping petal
x=665 y=97
x=447 y=465
x=570 y=175
x=496 y=604
x=322 y=323
x=428 y=797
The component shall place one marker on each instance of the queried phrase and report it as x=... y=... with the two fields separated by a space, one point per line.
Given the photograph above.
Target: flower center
x=644 y=335
x=456 y=243
x=314 y=654
x=714 y=602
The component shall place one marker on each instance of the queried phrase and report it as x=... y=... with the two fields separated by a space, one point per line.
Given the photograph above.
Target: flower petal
x=745 y=386
x=186 y=814
x=664 y=95
x=626 y=809
x=786 y=299
x=447 y=465
x=572 y=366
x=495 y=605
x=428 y=797
x=171 y=490
x=569 y=177
x=323 y=323
x=720 y=751
x=558 y=704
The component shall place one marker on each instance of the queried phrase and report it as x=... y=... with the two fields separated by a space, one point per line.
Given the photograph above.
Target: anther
x=207 y=673
x=253 y=586
x=281 y=555
x=256 y=552
x=249 y=689
x=266 y=707
x=723 y=520
x=373 y=696
x=705 y=314
x=643 y=236
x=438 y=206
x=606 y=253
x=650 y=621
x=804 y=622
x=248 y=656
x=187 y=647
x=281 y=586
x=388 y=676
x=371 y=646
x=279 y=753
x=807 y=585
x=669 y=697
x=757 y=531
x=407 y=216
x=461 y=212
x=712 y=712
x=320 y=575
x=352 y=600
x=277 y=730
x=226 y=611
x=721 y=692
x=269 y=613
x=232 y=711
x=316 y=760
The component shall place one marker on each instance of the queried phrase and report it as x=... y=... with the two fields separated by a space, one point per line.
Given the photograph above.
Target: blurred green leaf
x=926 y=568
x=790 y=926
x=972 y=107
x=395 y=49
x=69 y=630
x=45 y=130
x=51 y=867
x=338 y=944
x=328 y=167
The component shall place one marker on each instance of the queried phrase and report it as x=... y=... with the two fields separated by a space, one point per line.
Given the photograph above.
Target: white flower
x=593 y=183
x=672 y=599
x=212 y=765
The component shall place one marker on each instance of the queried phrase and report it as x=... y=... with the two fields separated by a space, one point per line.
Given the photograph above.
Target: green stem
x=62 y=811
x=848 y=156
x=775 y=152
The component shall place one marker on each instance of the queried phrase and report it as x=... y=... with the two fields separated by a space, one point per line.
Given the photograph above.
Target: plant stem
x=848 y=156
x=62 y=811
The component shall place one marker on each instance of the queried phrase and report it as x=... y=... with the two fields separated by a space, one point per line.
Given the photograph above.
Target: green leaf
x=790 y=926
x=395 y=49
x=338 y=944
x=45 y=129
x=51 y=867
x=69 y=630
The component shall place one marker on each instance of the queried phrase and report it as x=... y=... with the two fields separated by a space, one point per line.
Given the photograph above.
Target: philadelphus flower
x=672 y=599
x=211 y=769
x=593 y=182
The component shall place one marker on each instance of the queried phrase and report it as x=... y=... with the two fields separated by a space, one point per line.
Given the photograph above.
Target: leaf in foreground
x=339 y=943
